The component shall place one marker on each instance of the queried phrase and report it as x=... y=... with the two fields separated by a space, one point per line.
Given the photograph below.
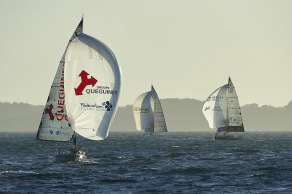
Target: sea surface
x=189 y=162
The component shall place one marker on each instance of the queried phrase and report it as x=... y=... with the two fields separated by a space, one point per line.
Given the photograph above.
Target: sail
x=143 y=112
x=54 y=124
x=235 y=123
x=215 y=108
x=92 y=86
x=159 y=120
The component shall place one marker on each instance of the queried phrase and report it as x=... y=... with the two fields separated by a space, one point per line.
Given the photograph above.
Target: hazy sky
x=186 y=48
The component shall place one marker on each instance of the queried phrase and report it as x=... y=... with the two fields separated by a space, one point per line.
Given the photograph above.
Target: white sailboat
x=148 y=113
x=222 y=111
x=84 y=95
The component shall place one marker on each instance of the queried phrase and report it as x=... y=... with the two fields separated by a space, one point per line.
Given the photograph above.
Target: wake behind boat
x=222 y=111
x=148 y=113
x=76 y=103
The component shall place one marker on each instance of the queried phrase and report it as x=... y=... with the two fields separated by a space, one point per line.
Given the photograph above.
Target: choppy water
x=131 y=163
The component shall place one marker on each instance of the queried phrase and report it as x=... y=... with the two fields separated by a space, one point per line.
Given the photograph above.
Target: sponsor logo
x=59 y=115
x=48 y=110
x=101 y=90
x=59 y=132
x=214 y=98
x=141 y=109
x=85 y=81
x=60 y=105
x=217 y=108
x=105 y=106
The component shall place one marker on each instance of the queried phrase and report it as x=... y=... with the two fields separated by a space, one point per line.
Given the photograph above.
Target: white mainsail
x=148 y=113
x=235 y=122
x=159 y=120
x=222 y=110
x=92 y=86
x=54 y=124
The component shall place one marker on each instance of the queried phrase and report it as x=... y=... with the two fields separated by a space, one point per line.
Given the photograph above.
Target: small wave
x=89 y=162
x=175 y=146
x=258 y=175
x=18 y=172
x=187 y=170
x=247 y=150
x=118 y=181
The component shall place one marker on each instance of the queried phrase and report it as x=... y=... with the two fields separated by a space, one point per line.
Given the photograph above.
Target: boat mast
x=153 y=96
x=227 y=96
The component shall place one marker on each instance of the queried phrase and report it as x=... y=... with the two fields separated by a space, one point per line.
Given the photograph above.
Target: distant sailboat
x=148 y=113
x=84 y=95
x=223 y=113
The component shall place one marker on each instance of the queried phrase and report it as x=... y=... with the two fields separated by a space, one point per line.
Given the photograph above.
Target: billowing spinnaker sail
x=92 y=86
x=54 y=125
x=215 y=108
x=143 y=113
x=235 y=123
x=159 y=120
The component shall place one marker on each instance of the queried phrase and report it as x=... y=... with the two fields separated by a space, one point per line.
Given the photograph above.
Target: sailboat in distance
x=148 y=113
x=84 y=95
x=222 y=111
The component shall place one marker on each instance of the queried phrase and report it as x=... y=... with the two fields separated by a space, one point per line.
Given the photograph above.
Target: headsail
x=54 y=125
x=92 y=86
x=159 y=120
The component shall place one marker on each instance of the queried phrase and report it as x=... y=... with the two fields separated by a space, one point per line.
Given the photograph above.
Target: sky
x=185 y=48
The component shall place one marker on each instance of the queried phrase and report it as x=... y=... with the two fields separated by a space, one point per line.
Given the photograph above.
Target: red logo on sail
x=49 y=111
x=85 y=81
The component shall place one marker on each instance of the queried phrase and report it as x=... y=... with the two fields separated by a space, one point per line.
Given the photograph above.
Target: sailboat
x=222 y=111
x=148 y=113
x=84 y=95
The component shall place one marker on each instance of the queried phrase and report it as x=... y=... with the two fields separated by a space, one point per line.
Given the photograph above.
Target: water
x=131 y=163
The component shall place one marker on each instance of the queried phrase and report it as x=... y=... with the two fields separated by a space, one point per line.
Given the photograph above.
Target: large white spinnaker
x=54 y=125
x=215 y=108
x=92 y=86
x=143 y=112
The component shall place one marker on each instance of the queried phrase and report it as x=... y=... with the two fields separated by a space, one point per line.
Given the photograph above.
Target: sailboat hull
x=70 y=155
x=227 y=136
